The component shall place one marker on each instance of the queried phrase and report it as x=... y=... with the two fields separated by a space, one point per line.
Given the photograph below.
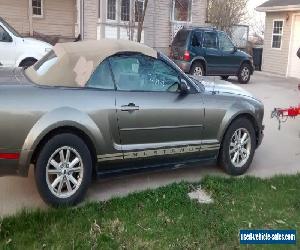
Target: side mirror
x=234 y=49
x=183 y=87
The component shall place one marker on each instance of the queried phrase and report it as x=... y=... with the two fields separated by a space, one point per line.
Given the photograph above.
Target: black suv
x=207 y=51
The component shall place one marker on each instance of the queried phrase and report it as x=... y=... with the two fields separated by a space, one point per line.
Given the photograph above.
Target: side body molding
x=52 y=120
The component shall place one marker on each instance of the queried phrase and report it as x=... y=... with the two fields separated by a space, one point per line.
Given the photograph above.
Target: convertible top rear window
x=43 y=65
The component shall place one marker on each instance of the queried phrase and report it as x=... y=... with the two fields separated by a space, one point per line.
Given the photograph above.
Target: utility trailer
x=283 y=114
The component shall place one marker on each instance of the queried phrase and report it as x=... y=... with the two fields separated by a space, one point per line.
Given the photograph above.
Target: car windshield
x=181 y=38
x=10 y=28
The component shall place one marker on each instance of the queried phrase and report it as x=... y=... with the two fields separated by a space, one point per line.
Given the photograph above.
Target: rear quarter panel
x=28 y=113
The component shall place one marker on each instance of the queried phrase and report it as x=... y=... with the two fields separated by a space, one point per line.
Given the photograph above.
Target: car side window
x=197 y=38
x=225 y=43
x=210 y=40
x=4 y=36
x=102 y=77
x=143 y=73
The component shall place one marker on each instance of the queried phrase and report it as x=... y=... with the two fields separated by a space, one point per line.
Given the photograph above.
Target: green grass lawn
x=164 y=218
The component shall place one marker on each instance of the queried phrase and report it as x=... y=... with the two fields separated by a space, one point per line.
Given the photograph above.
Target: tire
x=197 y=69
x=27 y=63
x=244 y=73
x=226 y=159
x=61 y=174
x=224 y=77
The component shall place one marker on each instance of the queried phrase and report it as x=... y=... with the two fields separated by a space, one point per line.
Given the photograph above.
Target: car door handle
x=130 y=107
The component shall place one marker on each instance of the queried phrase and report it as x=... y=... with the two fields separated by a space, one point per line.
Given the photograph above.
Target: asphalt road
x=279 y=154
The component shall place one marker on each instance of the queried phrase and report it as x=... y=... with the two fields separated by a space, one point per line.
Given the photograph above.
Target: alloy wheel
x=240 y=147
x=245 y=74
x=64 y=172
x=198 y=71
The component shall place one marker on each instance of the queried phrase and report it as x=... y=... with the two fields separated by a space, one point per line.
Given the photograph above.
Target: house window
x=125 y=10
x=139 y=8
x=277 y=34
x=182 y=10
x=37 y=8
x=111 y=9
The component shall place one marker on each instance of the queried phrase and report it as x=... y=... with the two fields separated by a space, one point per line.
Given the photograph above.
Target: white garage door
x=294 y=64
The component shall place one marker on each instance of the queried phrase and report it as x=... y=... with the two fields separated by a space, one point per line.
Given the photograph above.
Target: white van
x=18 y=51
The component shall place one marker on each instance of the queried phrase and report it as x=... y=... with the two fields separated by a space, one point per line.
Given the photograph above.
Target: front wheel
x=63 y=170
x=244 y=73
x=238 y=147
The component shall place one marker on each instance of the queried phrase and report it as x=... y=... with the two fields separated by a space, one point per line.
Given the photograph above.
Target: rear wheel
x=244 y=73
x=63 y=170
x=197 y=69
x=238 y=147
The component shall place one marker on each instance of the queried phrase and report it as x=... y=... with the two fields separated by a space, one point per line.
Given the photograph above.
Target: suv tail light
x=187 y=56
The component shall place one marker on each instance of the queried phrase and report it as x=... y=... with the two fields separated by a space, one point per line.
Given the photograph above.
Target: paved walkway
x=279 y=154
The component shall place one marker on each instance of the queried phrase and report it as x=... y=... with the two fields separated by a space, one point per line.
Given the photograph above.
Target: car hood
x=35 y=42
x=221 y=87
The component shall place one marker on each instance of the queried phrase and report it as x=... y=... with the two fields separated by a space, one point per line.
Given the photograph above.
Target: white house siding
x=15 y=12
x=276 y=60
x=90 y=19
x=158 y=24
x=58 y=19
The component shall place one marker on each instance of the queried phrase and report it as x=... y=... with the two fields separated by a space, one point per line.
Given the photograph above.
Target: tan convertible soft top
x=75 y=62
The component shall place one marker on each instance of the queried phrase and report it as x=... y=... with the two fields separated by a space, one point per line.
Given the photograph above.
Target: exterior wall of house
x=15 y=12
x=276 y=60
x=58 y=18
x=159 y=28
x=90 y=19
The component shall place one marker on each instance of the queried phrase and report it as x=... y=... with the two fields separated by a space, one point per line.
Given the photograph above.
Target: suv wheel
x=63 y=170
x=238 y=147
x=197 y=69
x=244 y=73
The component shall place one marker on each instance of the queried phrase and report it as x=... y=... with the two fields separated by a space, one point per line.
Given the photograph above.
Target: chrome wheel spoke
x=68 y=155
x=54 y=164
x=73 y=163
x=56 y=181
x=54 y=171
x=68 y=185
x=60 y=186
x=73 y=180
x=61 y=155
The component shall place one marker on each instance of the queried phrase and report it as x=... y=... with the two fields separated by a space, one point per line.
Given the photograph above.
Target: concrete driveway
x=279 y=154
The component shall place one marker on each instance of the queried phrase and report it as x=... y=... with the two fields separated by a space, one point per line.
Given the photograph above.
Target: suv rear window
x=181 y=38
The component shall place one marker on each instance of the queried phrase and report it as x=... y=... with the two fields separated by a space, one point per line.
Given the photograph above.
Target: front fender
x=50 y=121
x=237 y=109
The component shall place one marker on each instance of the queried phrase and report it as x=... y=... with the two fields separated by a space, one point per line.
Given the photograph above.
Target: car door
x=230 y=61
x=196 y=44
x=212 y=52
x=7 y=48
x=154 y=119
